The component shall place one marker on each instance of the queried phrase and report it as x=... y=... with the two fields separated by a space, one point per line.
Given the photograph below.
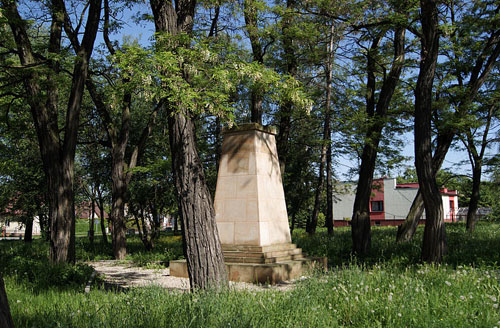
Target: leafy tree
x=377 y=107
x=472 y=51
x=40 y=72
x=205 y=264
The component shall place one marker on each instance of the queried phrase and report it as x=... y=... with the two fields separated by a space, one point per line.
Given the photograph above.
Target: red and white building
x=390 y=202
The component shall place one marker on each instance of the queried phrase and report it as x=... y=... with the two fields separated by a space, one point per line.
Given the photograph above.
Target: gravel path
x=125 y=275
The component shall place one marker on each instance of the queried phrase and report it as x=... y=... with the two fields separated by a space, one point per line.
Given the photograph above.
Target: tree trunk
x=407 y=229
x=91 y=222
x=202 y=247
x=311 y=227
x=483 y=65
x=251 y=23
x=474 y=198
x=5 y=316
x=377 y=112
x=28 y=231
x=118 y=194
x=103 y=218
x=434 y=243
x=329 y=191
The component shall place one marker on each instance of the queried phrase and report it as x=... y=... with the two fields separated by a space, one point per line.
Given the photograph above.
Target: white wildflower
x=447 y=283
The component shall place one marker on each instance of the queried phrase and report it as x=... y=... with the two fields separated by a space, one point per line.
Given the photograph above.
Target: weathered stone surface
x=249 y=200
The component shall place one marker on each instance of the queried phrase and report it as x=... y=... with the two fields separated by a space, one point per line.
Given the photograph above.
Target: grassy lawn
x=390 y=287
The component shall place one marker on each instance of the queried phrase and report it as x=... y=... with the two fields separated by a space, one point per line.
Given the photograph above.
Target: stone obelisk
x=250 y=203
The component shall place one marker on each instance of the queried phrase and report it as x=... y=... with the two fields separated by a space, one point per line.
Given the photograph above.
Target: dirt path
x=125 y=275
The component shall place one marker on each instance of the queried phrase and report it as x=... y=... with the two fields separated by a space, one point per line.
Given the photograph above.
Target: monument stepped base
x=261 y=264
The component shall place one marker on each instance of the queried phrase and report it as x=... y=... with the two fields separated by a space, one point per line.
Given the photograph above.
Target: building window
x=377 y=206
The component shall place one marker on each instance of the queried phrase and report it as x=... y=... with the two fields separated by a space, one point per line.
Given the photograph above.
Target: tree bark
x=407 y=229
x=202 y=247
x=28 y=231
x=434 y=243
x=103 y=218
x=377 y=111
x=474 y=198
x=5 y=316
x=91 y=221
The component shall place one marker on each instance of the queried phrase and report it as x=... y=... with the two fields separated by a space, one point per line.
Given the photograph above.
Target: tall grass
x=387 y=288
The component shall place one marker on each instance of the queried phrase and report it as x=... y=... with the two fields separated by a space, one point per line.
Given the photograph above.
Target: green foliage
x=28 y=263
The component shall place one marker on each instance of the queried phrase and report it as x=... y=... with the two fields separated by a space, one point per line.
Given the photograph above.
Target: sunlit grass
x=388 y=288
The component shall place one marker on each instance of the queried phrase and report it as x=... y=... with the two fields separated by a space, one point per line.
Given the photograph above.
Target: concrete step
x=258 y=249
x=253 y=272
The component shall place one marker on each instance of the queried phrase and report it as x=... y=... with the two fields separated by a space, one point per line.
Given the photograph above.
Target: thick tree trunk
x=360 y=224
x=28 y=231
x=481 y=70
x=5 y=316
x=118 y=194
x=202 y=247
x=434 y=243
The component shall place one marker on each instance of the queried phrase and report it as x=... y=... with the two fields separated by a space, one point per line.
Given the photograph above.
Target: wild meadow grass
x=388 y=288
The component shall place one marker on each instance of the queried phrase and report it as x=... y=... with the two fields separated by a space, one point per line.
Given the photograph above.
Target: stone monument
x=250 y=209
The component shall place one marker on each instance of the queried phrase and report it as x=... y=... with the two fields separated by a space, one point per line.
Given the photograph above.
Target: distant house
x=390 y=202
x=10 y=228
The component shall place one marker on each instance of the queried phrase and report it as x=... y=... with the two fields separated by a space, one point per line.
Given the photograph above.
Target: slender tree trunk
x=250 y=12
x=311 y=228
x=5 y=316
x=329 y=191
x=474 y=199
x=202 y=247
x=103 y=218
x=91 y=222
x=377 y=112
x=434 y=243
x=407 y=229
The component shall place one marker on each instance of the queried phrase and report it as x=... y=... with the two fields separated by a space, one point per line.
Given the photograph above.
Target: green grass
x=388 y=288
